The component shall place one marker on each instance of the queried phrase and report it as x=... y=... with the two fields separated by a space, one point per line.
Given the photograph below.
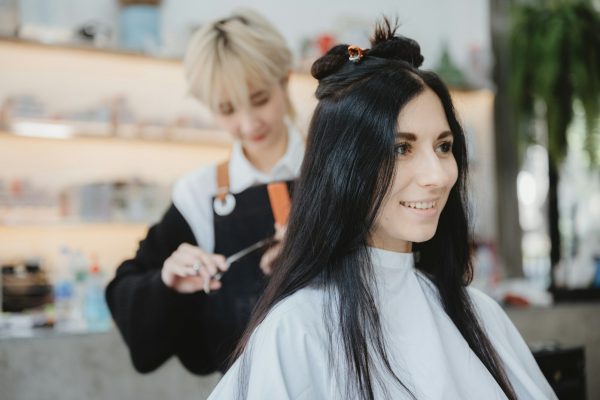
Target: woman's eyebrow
x=445 y=134
x=258 y=94
x=225 y=104
x=407 y=136
x=413 y=138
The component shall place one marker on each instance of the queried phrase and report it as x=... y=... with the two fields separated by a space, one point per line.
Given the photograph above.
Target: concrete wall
x=88 y=366
x=570 y=325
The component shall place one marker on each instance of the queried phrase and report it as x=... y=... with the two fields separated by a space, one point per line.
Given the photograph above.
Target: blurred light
x=42 y=130
x=526 y=188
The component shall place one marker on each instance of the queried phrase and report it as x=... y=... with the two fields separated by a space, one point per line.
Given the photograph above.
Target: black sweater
x=155 y=321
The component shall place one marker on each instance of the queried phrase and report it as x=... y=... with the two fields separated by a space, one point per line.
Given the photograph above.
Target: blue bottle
x=97 y=316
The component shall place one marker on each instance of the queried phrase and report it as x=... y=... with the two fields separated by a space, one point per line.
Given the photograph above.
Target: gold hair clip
x=355 y=53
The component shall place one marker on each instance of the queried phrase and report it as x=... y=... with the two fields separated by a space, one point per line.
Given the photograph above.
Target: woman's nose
x=249 y=122
x=431 y=170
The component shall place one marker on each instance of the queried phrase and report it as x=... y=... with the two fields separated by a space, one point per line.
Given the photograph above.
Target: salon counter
x=571 y=325
x=75 y=366
x=97 y=365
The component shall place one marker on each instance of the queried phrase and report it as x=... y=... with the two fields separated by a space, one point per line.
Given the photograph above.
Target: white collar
x=242 y=174
x=391 y=259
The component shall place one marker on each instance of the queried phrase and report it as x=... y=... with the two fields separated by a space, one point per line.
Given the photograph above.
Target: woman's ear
x=291 y=112
x=285 y=80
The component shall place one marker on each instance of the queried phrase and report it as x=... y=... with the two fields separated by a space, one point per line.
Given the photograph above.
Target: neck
x=265 y=159
x=399 y=246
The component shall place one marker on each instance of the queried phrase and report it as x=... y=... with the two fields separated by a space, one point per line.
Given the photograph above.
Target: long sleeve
x=155 y=321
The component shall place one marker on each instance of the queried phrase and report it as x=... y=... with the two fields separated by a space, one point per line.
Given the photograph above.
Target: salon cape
x=288 y=353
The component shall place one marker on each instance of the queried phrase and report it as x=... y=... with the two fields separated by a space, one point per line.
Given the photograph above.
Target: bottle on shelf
x=97 y=316
x=63 y=290
x=68 y=290
x=78 y=266
x=63 y=303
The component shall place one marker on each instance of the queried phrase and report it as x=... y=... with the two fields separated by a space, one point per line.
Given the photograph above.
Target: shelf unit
x=59 y=163
x=72 y=78
x=56 y=164
x=69 y=79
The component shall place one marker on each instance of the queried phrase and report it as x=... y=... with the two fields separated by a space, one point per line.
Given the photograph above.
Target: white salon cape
x=288 y=353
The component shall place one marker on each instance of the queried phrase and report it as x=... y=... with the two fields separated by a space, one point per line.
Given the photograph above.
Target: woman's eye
x=402 y=149
x=445 y=147
x=260 y=101
x=226 y=109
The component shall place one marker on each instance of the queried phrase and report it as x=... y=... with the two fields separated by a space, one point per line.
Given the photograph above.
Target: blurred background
x=96 y=125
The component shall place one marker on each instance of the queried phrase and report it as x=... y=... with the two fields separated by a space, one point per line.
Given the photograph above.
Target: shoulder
x=193 y=191
x=300 y=314
x=484 y=305
x=486 y=308
x=521 y=367
x=294 y=337
x=290 y=342
x=197 y=182
x=480 y=299
x=192 y=195
x=492 y=316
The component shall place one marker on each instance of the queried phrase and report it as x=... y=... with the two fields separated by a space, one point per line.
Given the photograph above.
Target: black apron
x=228 y=309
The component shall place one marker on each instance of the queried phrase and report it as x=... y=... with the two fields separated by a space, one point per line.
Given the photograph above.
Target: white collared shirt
x=193 y=193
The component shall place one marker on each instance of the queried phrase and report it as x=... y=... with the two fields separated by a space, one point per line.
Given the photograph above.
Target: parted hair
x=225 y=56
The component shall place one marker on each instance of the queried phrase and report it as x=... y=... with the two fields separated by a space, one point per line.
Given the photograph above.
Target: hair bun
x=386 y=44
x=333 y=60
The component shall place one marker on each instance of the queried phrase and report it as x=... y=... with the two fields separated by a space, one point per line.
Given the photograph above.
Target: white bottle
x=78 y=269
x=97 y=316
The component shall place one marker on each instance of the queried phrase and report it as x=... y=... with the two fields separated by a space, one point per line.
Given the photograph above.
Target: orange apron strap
x=279 y=196
x=222 y=180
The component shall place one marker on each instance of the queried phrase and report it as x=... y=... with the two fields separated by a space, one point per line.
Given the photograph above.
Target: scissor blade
x=244 y=252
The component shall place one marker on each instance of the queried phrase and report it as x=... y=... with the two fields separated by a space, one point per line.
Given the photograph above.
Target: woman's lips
x=422 y=208
x=257 y=138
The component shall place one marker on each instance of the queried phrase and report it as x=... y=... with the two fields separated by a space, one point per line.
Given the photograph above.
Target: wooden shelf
x=73 y=80
x=203 y=137
x=75 y=225
x=111 y=242
x=82 y=47
x=53 y=163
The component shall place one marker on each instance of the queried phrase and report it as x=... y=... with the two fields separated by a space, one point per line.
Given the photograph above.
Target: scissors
x=243 y=253
x=279 y=199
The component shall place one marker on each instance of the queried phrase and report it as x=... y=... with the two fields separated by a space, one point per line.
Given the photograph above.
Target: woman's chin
x=420 y=237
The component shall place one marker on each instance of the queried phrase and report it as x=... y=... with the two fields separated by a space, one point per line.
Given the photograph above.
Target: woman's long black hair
x=348 y=167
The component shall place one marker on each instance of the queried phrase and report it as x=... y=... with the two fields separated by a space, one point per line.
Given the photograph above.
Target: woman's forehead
x=423 y=114
x=246 y=92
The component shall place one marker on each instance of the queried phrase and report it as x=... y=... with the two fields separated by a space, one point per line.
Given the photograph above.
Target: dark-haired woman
x=369 y=299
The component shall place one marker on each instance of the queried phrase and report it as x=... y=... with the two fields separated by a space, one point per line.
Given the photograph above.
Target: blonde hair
x=227 y=55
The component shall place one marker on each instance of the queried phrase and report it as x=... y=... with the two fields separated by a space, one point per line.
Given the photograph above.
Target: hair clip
x=355 y=53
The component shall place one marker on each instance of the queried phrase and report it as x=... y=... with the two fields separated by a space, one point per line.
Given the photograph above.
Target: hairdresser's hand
x=266 y=262
x=189 y=269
